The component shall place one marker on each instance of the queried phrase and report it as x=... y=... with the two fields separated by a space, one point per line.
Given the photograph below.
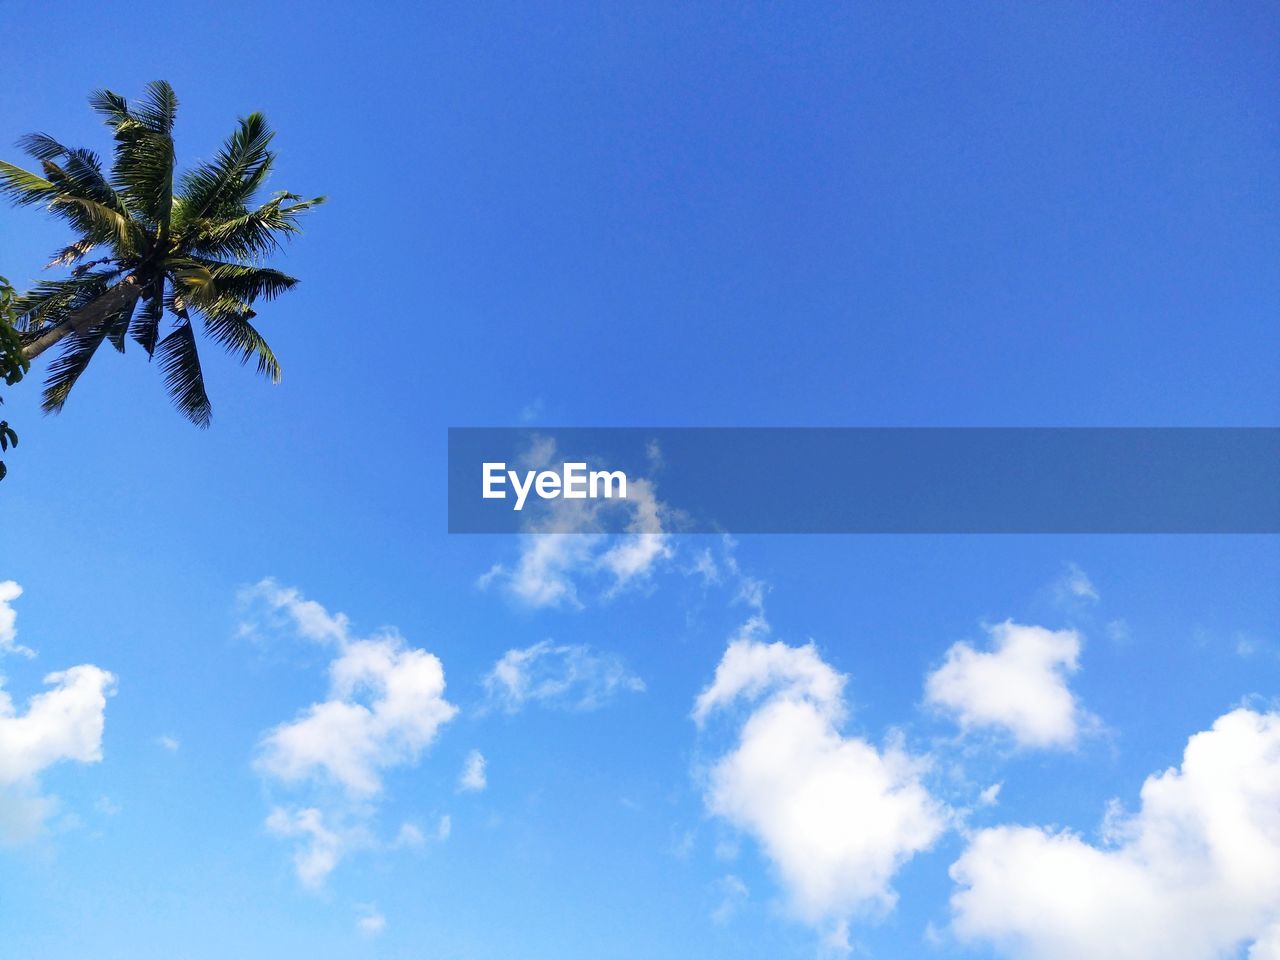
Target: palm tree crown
x=189 y=246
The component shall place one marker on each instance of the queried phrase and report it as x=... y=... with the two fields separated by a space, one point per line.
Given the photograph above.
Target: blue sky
x=605 y=215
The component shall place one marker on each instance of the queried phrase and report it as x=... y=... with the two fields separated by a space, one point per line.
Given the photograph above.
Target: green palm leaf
x=255 y=234
x=183 y=376
x=142 y=170
x=24 y=188
x=146 y=328
x=235 y=332
x=224 y=186
x=67 y=368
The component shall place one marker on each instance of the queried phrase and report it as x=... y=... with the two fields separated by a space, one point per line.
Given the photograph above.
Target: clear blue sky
x=590 y=214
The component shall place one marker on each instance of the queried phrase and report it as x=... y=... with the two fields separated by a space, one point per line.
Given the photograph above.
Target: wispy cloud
x=473 y=778
x=733 y=894
x=574 y=677
x=566 y=551
x=1074 y=586
x=371 y=922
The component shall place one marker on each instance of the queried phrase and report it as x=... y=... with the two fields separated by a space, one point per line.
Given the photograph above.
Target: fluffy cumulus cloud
x=1267 y=946
x=1018 y=686
x=836 y=815
x=1194 y=874
x=62 y=723
x=566 y=547
x=385 y=705
x=574 y=677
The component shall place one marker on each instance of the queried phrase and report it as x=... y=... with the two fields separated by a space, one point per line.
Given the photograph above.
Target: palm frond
x=41 y=146
x=78 y=193
x=146 y=327
x=93 y=219
x=142 y=170
x=78 y=171
x=23 y=187
x=113 y=108
x=255 y=234
x=72 y=253
x=77 y=351
x=245 y=282
x=158 y=108
x=227 y=183
x=50 y=301
x=118 y=325
x=183 y=377
x=231 y=328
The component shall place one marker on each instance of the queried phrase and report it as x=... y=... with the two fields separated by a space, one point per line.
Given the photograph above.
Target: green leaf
x=254 y=234
x=183 y=376
x=234 y=331
x=23 y=187
x=146 y=327
x=222 y=187
x=77 y=351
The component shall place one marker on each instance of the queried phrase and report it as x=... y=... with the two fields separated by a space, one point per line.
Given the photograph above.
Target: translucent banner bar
x=864 y=480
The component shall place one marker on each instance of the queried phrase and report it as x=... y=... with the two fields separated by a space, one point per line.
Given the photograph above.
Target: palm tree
x=187 y=247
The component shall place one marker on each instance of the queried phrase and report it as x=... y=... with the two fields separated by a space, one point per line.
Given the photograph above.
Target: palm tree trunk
x=113 y=300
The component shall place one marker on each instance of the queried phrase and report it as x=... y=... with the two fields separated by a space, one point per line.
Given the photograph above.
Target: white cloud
x=990 y=796
x=410 y=835
x=569 y=676
x=444 y=828
x=836 y=816
x=750 y=668
x=531 y=411
x=705 y=566
x=1193 y=875
x=733 y=894
x=386 y=704
x=62 y=723
x=635 y=554
x=1075 y=585
x=371 y=922
x=1019 y=686
x=170 y=743
x=544 y=575
x=10 y=591
x=1118 y=632
x=322 y=846
x=566 y=546
x=1267 y=947
x=473 y=777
